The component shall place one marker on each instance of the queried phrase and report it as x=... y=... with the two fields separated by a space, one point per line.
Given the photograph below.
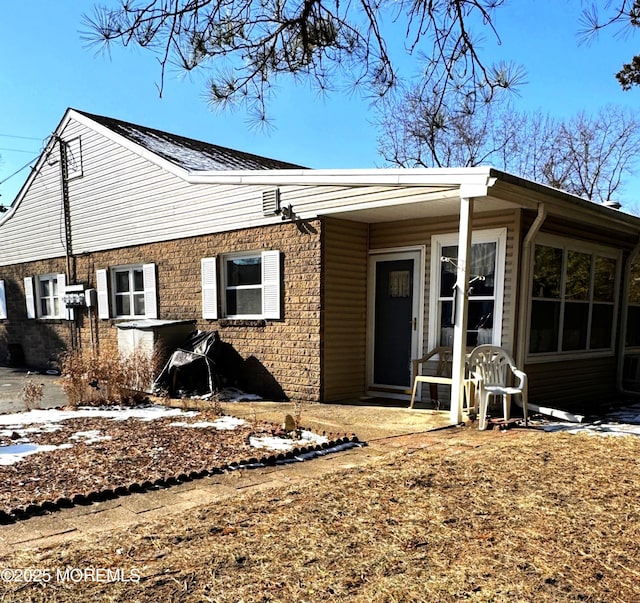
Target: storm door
x=394 y=324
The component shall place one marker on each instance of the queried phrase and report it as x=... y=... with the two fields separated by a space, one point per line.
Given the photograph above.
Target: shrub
x=104 y=375
x=32 y=394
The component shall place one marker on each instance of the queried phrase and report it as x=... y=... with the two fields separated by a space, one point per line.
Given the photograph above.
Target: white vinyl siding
x=209 y=288
x=3 y=301
x=138 y=198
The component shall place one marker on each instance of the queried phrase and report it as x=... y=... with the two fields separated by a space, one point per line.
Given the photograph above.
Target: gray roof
x=192 y=155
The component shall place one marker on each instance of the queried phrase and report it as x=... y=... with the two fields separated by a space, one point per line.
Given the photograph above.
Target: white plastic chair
x=442 y=376
x=491 y=367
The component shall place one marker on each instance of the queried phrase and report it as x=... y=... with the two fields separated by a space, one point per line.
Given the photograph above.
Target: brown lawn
x=537 y=517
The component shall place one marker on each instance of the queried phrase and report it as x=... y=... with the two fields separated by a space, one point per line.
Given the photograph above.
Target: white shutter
x=271 y=284
x=103 y=293
x=3 y=301
x=209 y=288
x=150 y=296
x=63 y=312
x=29 y=297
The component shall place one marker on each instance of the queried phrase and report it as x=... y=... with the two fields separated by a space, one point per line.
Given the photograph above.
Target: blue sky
x=46 y=68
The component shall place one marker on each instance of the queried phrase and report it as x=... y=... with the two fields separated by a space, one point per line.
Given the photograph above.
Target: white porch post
x=461 y=301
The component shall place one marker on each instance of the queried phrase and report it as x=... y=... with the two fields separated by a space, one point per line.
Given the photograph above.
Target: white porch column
x=461 y=301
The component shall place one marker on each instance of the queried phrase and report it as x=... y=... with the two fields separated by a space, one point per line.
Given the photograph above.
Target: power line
x=26 y=165
x=16 y=150
x=20 y=137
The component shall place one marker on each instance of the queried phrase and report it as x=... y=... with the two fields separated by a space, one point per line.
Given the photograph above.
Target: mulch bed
x=139 y=455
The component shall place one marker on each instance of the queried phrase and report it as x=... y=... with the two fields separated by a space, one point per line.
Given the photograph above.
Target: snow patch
x=306 y=438
x=9 y=455
x=223 y=423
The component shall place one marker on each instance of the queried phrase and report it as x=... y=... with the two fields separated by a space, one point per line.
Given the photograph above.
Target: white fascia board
x=450 y=177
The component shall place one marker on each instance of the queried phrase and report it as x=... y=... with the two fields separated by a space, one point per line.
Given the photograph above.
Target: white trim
x=416 y=253
x=270 y=284
x=3 y=301
x=209 y=280
x=497 y=235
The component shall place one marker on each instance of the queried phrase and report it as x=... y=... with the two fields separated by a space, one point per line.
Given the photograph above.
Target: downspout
x=525 y=280
x=623 y=322
x=523 y=315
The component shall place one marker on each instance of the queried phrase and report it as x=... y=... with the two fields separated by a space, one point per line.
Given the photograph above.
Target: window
x=573 y=297
x=128 y=291
x=250 y=285
x=49 y=296
x=44 y=296
x=486 y=269
x=133 y=291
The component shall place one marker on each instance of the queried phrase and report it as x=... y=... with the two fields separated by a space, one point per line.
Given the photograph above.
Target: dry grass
x=479 y=517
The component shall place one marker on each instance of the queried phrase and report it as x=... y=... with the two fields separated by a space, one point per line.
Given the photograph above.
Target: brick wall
x=272 y=357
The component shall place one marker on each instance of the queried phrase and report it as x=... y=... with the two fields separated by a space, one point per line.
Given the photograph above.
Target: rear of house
x=322 y=284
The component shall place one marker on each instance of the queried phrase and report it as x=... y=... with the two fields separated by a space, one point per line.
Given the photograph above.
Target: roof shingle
x=192 y=155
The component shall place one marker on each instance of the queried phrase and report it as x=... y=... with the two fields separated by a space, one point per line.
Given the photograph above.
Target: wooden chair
x=442 y=376
x=492 y=368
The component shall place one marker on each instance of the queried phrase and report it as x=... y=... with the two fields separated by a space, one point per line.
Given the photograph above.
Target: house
x=324 y=284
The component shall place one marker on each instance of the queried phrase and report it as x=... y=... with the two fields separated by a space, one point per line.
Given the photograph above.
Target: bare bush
x=32 y=393
x=106 y=375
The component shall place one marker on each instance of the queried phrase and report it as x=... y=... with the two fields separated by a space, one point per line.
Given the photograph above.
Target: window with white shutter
x=43 y=296
x=127 y=292
x=251 y=285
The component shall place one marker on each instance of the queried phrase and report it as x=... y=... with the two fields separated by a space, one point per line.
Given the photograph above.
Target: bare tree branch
x=243 y=45
x=586 y=156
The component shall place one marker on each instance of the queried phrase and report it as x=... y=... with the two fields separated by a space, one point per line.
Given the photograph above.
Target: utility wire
x=21 y=137
x=26 y=165
x=15 y=150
